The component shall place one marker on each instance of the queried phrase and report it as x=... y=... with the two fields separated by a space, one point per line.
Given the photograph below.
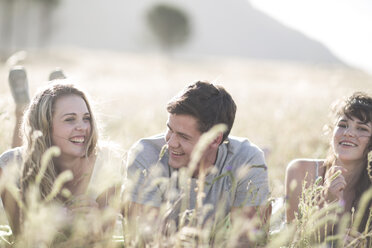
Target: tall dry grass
x=282 y=106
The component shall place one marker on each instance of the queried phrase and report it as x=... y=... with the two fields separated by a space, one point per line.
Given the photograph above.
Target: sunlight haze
x=342 y=25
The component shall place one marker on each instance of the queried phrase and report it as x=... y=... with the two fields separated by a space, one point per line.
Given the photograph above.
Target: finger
x=336 y=177
x=338 y=184
x=340 y=195
x=338 y=167
x=335 y=169
x=337 y=189
x=333 y=175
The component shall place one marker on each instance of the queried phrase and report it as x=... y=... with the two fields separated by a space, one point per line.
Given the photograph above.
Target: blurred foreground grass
x=282 y=106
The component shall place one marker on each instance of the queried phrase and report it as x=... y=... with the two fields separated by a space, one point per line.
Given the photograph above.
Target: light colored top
x=239 y=178
x=107 y=170
x=316 y=169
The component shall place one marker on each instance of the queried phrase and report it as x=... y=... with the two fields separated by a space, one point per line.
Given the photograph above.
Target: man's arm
x=136 y=210
x=251 y=210
x=141 y=195
x=140 y=222
x=258 y=218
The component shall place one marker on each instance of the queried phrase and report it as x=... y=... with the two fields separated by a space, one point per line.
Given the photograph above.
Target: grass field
x=282 y=106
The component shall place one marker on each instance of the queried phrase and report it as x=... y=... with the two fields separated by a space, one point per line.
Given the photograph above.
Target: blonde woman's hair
x=37 y=133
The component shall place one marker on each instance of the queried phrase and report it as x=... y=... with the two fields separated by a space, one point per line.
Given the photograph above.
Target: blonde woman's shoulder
x=109 y=149
x=111 y=156
x=10 y=156
x=108 y=168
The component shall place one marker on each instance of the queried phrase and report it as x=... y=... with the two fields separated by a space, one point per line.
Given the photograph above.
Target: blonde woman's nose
x=82 y=126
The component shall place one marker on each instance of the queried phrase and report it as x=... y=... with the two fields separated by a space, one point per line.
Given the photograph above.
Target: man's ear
x=217 y=141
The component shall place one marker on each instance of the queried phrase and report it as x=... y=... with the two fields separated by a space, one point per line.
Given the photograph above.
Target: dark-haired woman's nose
x=349 y=132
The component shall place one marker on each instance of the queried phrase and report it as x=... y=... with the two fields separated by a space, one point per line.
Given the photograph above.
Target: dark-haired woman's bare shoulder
x=305 y=169
x=300 y=171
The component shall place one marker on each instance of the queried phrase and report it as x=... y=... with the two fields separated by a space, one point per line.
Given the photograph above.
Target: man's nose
x=172 y=140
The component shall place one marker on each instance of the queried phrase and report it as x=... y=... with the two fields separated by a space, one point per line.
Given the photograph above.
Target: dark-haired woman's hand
x=334 y=184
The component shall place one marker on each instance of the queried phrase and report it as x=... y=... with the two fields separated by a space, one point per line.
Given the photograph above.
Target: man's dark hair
x=209 y=104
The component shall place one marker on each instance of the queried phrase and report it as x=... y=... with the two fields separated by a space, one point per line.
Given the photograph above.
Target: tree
x=15 y=23
x=7 y=8
x=169 y=24
x=47 y=8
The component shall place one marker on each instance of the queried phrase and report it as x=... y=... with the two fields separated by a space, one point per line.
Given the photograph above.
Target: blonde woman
x=60 y=115
x=343 y=173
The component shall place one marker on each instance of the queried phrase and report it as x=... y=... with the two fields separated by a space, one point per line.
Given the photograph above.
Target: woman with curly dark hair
x=344 y=173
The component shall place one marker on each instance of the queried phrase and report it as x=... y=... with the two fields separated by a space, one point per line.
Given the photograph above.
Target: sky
x=344 y=26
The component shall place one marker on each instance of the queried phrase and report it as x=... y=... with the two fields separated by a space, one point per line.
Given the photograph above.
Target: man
x=234 y=169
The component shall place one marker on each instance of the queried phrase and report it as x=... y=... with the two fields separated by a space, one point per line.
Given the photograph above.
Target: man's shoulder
x=147 y=151
x=239 y=145
x=155 y=143
x=241 y=153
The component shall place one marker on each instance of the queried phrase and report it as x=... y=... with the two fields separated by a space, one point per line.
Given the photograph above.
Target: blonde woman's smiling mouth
x=78 y=139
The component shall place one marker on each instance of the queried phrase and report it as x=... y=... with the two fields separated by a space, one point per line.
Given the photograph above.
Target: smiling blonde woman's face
x=71 y=126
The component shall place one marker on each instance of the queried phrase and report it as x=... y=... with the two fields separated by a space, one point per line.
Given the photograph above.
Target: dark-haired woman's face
x=351 y=138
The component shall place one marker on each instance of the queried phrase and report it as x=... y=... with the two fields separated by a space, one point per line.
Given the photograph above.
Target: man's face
x=181 y=136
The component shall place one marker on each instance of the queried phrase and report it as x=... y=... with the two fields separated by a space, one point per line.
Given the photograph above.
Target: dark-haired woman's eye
x=341 y=125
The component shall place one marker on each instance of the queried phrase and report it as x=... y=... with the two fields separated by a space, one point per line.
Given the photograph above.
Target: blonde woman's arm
x=9 y=176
